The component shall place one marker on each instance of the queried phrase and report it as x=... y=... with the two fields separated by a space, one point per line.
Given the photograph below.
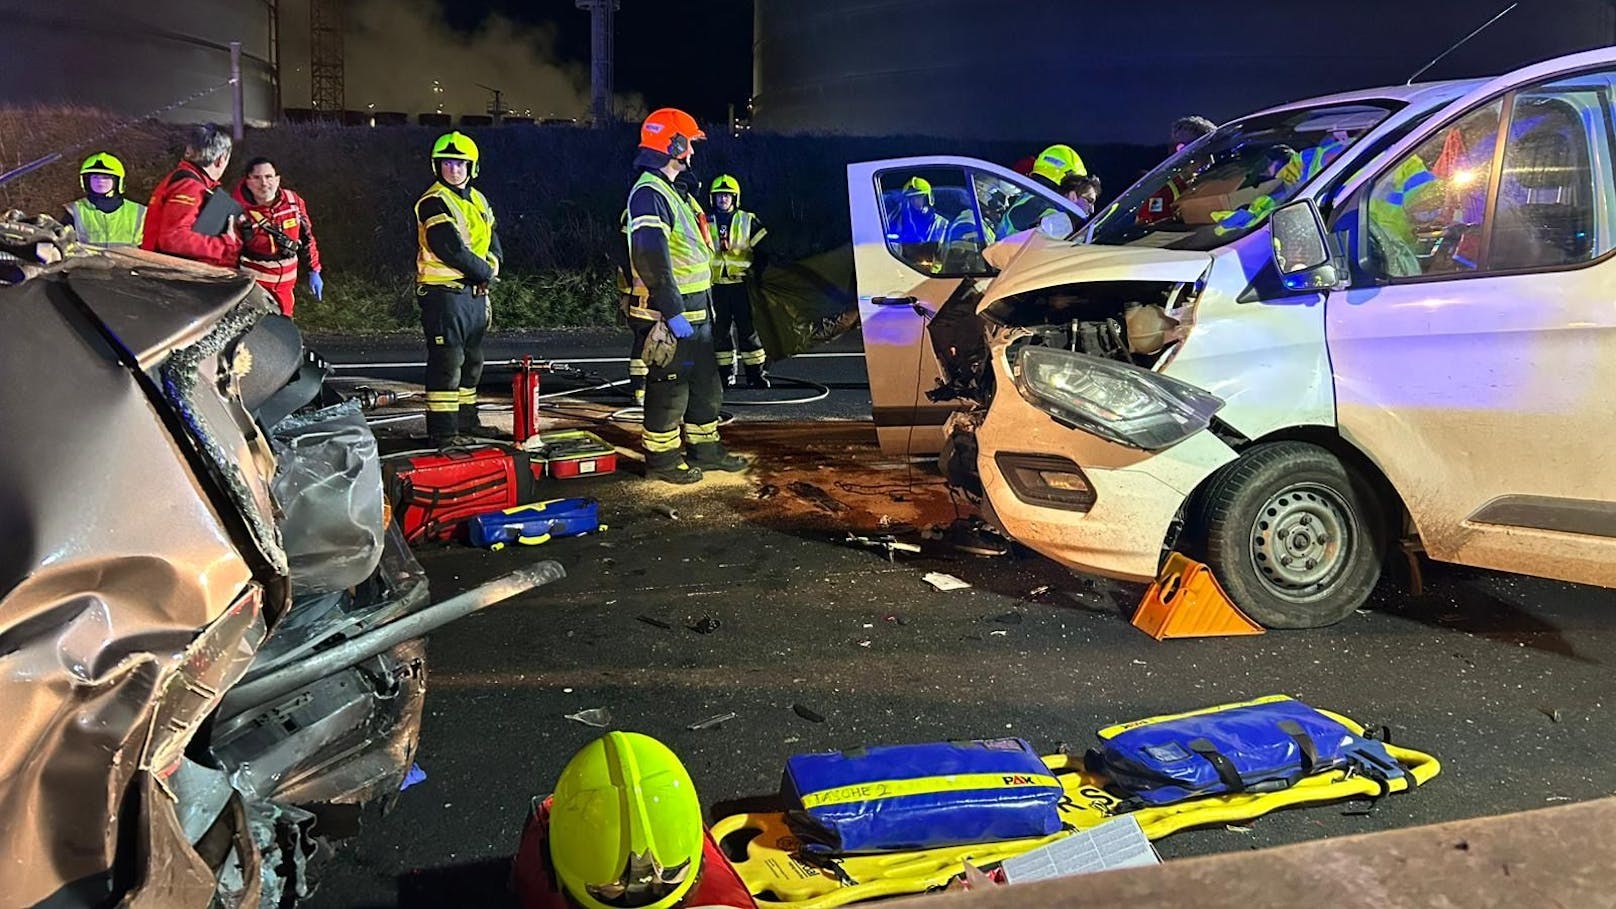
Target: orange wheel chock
x=1187 y=602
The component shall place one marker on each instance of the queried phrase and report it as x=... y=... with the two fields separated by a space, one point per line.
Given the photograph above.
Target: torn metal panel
x=153 y=304
x=199 y=385
x=115 y=560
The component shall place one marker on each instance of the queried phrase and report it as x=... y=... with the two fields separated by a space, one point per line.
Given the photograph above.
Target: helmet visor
x=644 y=882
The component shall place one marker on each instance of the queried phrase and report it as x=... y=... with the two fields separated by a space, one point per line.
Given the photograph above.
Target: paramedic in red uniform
x=279 y=234
x=179 y=198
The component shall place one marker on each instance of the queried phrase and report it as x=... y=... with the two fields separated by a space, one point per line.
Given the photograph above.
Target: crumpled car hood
x=1043 y=262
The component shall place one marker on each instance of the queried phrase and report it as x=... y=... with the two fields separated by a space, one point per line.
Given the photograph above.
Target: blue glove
x=681 y=327
x=317 y=285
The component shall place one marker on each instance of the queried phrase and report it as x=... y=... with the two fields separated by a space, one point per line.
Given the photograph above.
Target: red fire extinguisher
x=525 y=401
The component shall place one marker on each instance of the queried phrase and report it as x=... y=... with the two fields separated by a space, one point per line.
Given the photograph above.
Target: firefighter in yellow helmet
x=625 y=826
x=457 y=257
x=735 y=233
x=1057 y=168
x=104 y=217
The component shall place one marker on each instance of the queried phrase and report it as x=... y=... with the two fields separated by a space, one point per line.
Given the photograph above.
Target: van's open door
x=919 y=228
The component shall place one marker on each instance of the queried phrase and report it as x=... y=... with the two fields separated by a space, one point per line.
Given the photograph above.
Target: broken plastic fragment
x=706 y=625
x=712 y=721
x=945 y=581
x=666 y=511
x=598 y=717
x=413 y=776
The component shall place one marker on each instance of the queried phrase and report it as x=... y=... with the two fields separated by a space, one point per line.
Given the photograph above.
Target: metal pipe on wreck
x=262 y=691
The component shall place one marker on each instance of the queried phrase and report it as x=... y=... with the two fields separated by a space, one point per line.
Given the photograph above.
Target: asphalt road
x=1504 y=678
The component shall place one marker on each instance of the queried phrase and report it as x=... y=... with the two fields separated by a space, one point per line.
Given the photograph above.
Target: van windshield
x=1225 y=185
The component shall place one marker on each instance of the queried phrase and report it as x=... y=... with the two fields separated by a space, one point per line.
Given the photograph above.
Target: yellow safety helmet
x=625 y=825
x=919 y=186
x=1058 y=162
x=724 y=183
x=456 y=146
x=103 y=163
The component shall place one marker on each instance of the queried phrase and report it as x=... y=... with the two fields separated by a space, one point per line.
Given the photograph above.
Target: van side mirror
x=1057 y=225
x=1301 y=250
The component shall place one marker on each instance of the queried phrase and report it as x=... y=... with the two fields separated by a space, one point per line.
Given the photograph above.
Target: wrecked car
x=210 y=632
x=1324 y=330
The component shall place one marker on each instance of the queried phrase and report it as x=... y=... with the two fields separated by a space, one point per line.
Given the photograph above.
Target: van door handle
x=893 y=301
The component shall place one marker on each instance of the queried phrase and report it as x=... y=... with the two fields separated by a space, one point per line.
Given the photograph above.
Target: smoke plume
x=402 y=56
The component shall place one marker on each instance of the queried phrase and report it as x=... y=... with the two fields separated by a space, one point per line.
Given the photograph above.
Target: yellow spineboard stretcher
x=779 y=876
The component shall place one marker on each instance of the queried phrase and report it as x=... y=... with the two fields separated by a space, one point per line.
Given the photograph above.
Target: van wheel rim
x=1301 y=540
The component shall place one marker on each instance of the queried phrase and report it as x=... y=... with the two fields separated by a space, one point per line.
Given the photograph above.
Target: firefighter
x=1058 y=168
x=917 y=227
x=457 y=258
x=670 y=257
x=735 y=234
x=279 y=234
x=104 y=217
x=178 y=200
x=628 y=298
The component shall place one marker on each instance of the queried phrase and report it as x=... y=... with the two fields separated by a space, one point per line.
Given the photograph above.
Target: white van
x=1327 y=328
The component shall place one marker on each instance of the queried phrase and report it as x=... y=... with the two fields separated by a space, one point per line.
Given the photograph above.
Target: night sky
x=652 y=41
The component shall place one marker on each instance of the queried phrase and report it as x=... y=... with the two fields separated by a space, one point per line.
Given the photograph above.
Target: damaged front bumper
x=1098 y=503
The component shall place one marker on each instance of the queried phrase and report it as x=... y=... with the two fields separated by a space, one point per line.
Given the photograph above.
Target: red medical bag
x=433 y=493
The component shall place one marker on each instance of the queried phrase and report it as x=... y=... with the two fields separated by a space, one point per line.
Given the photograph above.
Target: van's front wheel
x=1294 y=537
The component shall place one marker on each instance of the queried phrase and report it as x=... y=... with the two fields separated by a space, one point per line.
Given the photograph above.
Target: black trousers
x=453 y=321
x=684 y=397
x=732 y=308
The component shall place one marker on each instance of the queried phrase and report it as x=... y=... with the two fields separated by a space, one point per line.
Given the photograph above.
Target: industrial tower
x=601 y=53
x=325 y=57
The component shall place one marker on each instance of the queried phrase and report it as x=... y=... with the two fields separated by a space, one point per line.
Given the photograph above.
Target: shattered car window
x=1224 y=186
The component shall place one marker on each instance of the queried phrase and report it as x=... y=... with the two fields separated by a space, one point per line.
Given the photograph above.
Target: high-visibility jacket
x=732 y=245
x=689 y=249
x=121 y=227
x=473 y=220
x=1388 y=204
x=175 y=205
x=265 y=256
x=1307 y=165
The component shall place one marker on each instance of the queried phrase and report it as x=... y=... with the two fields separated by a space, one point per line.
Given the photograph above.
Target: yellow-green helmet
x=102 y=163
x=625 y=825
x=1058 y=162
x=919 y=186
x=724 y=183
x=457 y=146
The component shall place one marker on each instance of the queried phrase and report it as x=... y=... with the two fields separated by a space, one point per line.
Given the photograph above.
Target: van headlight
x=1113 y=400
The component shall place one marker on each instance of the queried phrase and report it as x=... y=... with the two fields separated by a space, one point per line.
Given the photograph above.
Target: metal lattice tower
x=601 y=54
x=325 y=53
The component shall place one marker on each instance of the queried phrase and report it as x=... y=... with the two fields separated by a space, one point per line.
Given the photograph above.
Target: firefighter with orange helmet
x=671 y=306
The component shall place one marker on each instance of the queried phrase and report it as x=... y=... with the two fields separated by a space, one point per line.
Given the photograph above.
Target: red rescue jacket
x=175 y=204
x=264 y=256
x=718 y=887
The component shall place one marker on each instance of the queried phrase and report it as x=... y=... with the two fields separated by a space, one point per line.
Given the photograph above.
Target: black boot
x=713 y=456
x=674 y=471
x=472 y=425
x=757 y=377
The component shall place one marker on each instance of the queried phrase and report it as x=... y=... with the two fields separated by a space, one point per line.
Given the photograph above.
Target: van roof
x=1420 y=94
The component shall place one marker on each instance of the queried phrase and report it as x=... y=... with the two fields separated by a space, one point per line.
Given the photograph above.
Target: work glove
x=317 y=285
x=681 y=327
